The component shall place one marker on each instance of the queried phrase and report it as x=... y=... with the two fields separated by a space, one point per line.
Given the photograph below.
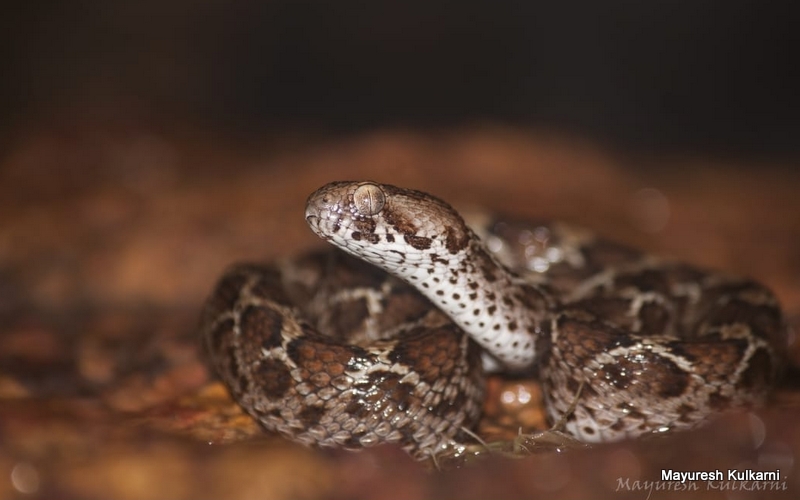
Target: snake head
x=425 y=242
x=364 y=218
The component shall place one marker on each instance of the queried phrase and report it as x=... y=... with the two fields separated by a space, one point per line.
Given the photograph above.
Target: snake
x=387 y=336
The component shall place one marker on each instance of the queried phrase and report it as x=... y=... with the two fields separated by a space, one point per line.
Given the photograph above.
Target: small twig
x=562 y=422
x=477 y=438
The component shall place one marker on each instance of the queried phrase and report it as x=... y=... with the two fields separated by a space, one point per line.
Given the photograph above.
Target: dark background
x=681 y=75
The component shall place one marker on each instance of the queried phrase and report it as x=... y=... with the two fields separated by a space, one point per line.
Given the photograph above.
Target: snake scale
x=386 y=338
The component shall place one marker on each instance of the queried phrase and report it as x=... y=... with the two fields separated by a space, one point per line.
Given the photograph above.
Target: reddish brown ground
x=111 y=234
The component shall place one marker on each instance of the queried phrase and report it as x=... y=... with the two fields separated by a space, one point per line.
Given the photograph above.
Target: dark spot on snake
x=456 y=296
x=273 y=378
x=618 y=425
x=617 y=375
x=357 y=358
x=635 y=414
x=356 y=408
x=453 y=280
x=670 y=382
x=365 y=225
x=390 y=238
x=491 y=296
x=512 y=326
x=462 y=305
x=588 y=430
x=418 y=242
x=614 y=309
x=473 y=296
x=439 y=292
x=356 y=235
x=310 y=415
x=227 y=292
x=531 y=298
x=654 y=319
x=472 y=284
x=431 y=270
x=275 y=412
x=425 y=285
x=345 y=317
x=588 y=390
x=572 y=385
x=262 y=326
x=269 y=285
x=507 y=300
x=455 y=239
x=436 y=280
x=491 y=309
x=763 y=319
x=436 y=258
x=401 y=224
x=481 y=324
x=515 y=344
x=496 y=327
x=390 y=389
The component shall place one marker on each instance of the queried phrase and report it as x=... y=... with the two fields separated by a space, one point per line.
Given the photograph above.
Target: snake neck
x=497 y=309
x=425 y=242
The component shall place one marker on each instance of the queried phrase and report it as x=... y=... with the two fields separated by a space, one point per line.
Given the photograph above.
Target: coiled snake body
x=330 y=350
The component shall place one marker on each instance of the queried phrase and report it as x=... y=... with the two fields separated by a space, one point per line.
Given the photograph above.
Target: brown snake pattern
x=330 y=350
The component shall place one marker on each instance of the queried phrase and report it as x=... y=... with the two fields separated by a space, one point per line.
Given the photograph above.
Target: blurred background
x=678 y=74
x=146 y=145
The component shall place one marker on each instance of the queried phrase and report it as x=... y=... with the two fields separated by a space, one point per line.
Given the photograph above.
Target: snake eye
x=369 y=199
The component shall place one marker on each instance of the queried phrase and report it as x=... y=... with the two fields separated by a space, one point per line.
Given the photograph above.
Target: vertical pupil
x=368 y=201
